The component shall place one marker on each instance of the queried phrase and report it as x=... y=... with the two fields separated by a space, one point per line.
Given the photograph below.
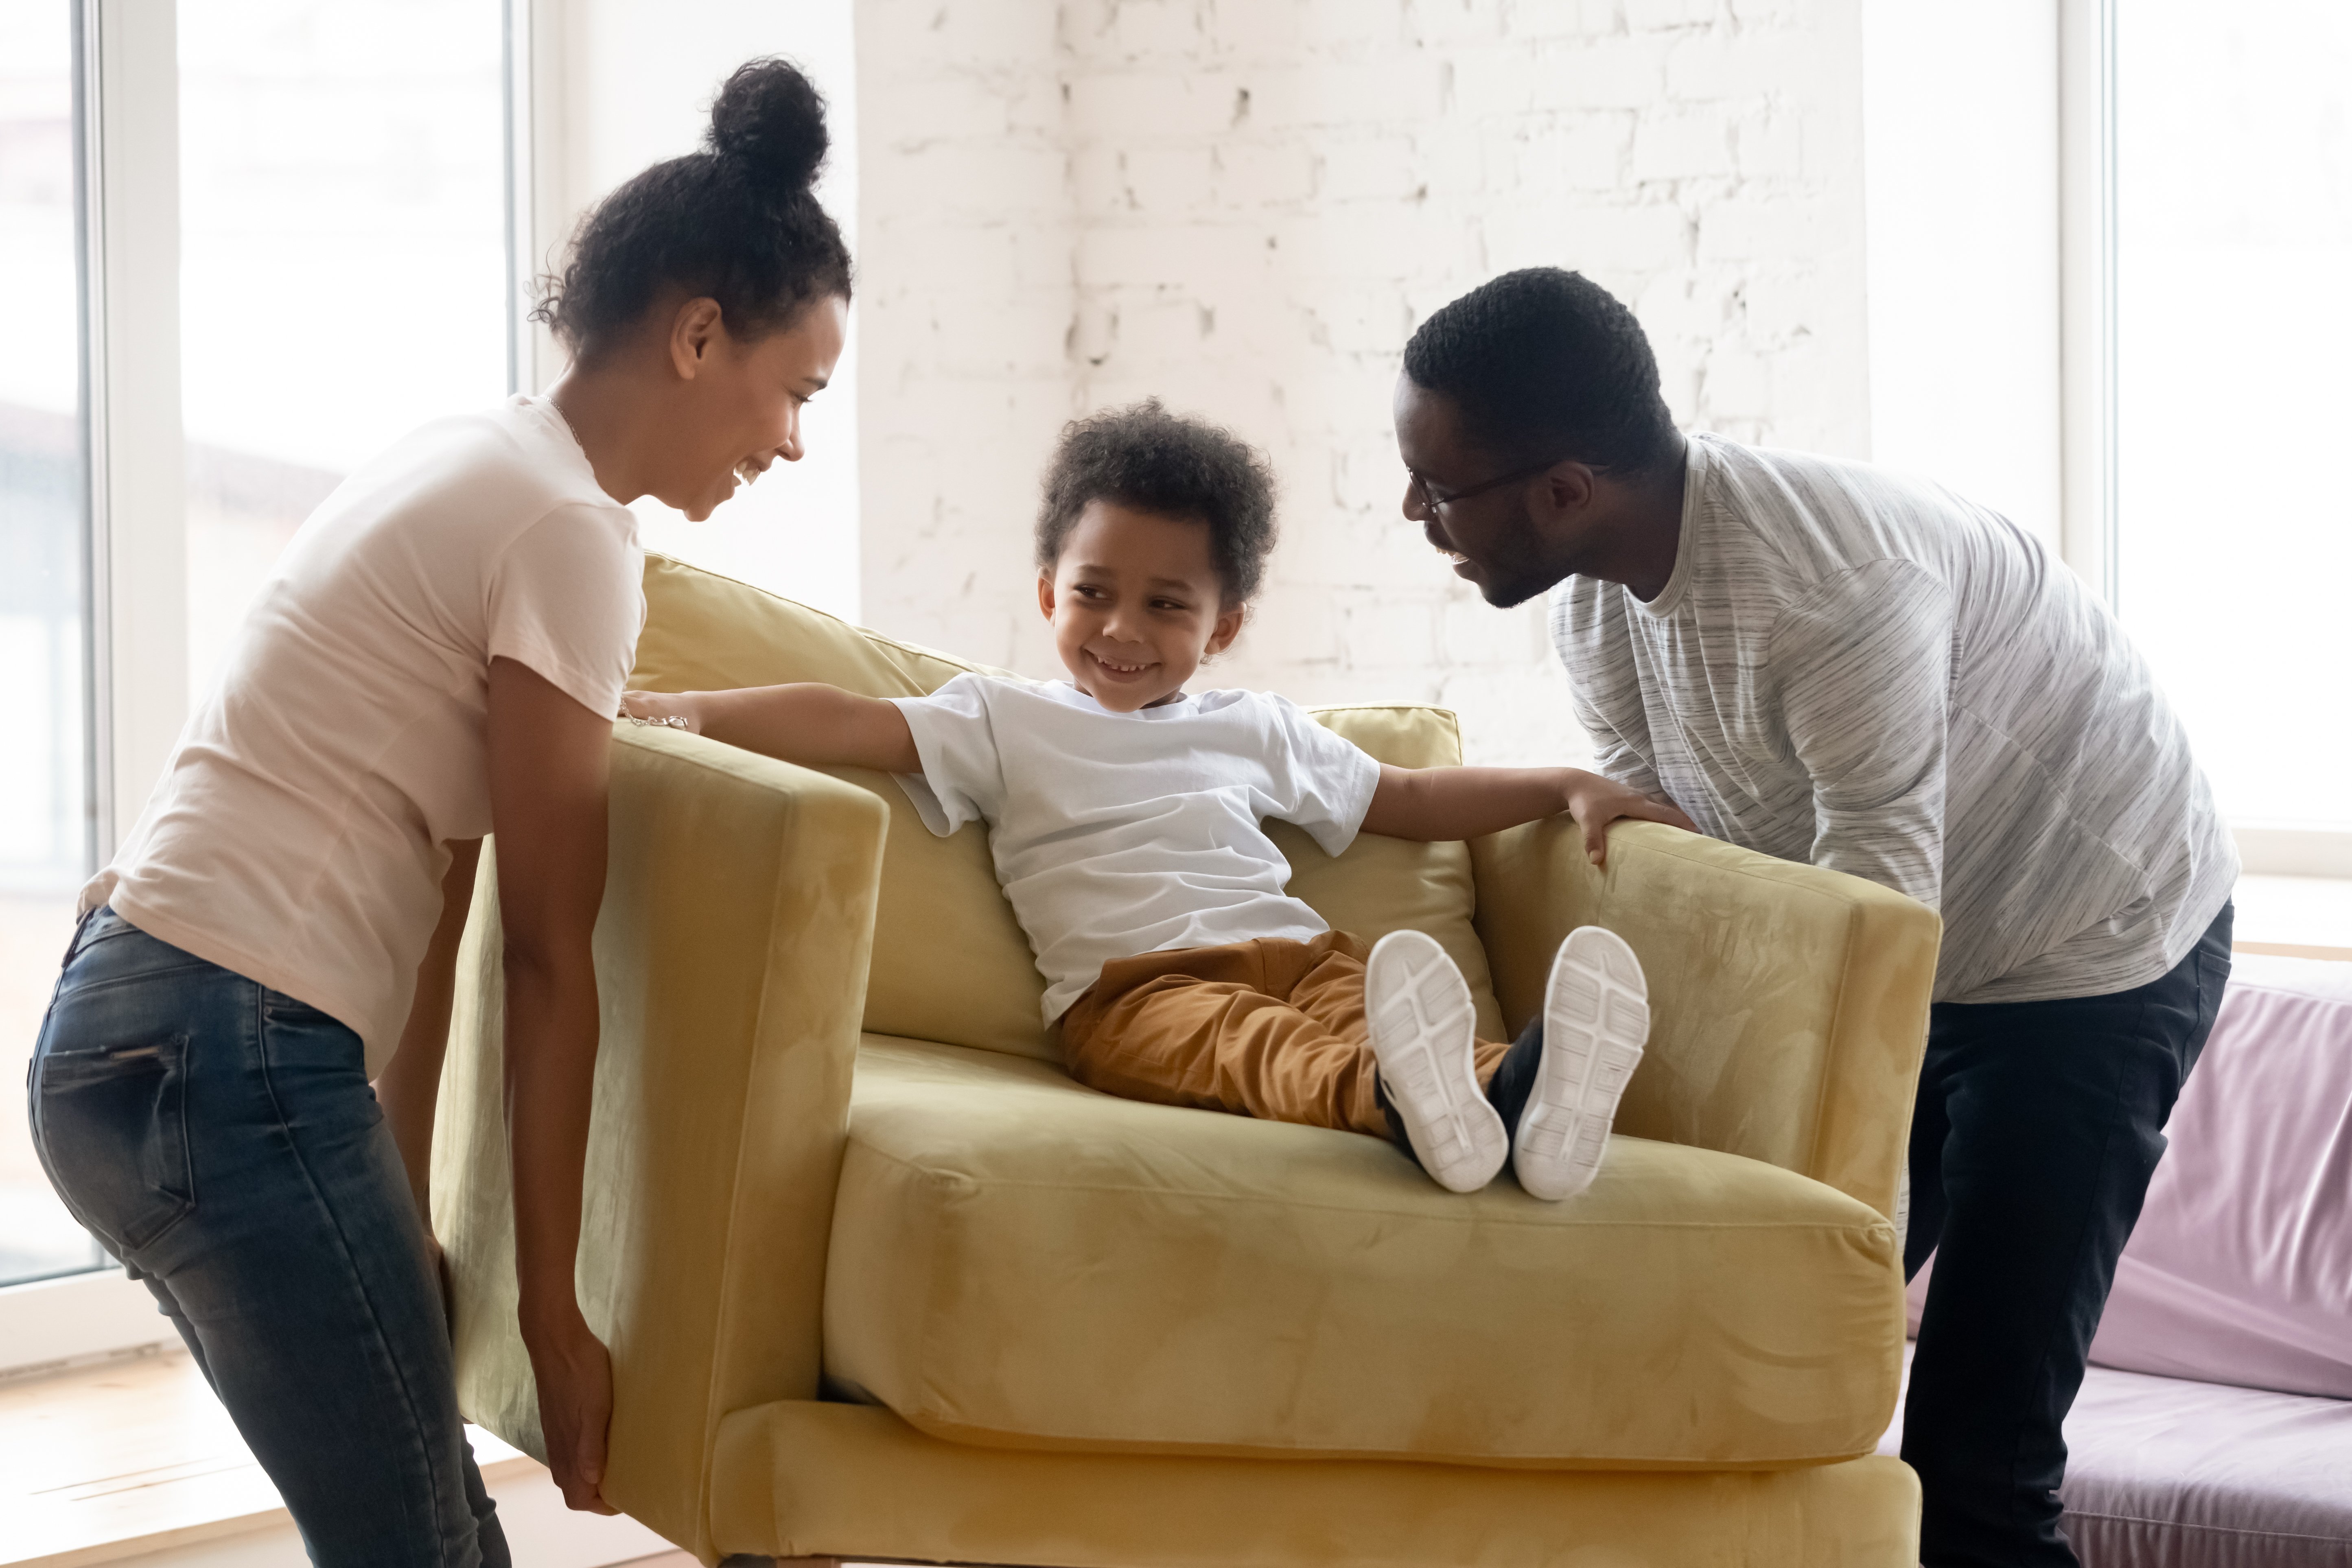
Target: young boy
x=1124 y=815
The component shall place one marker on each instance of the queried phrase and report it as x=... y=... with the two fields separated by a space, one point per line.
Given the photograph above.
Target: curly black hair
x=1146 y=457
x=737 y=223
x=1544 y=365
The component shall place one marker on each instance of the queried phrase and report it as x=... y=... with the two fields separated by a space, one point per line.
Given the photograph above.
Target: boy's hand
x=664 y=705
x=1596 y=801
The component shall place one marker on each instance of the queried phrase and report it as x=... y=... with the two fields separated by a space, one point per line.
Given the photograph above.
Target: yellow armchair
x=881 y=1281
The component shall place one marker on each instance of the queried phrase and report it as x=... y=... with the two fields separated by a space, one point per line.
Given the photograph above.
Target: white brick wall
x=1245 y=206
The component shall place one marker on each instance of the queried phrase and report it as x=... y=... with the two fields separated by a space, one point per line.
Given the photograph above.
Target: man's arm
x=1430 y=804
x=806 y=722
x=1864 y=670
x=549 y=766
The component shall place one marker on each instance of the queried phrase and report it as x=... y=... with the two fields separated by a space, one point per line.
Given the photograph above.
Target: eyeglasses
x=1431 y=504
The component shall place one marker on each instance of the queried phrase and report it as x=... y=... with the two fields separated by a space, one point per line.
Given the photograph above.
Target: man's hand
x=1433 y=804
x=1596 y=801
x=671 y=705
x=574 y=1373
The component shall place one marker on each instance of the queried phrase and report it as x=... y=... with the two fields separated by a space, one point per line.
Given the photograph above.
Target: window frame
x=2091 y=523
x=126 y=167
x=127 y=172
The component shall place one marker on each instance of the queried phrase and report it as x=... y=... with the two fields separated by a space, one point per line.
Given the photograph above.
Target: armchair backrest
x=949 y=962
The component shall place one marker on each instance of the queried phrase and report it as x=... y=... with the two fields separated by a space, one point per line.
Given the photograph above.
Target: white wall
x=628 y=84
x=1246 y=205
x=967 y=229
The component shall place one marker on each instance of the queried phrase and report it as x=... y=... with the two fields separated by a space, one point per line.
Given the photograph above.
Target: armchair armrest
x=1788 y=1005
x=731 y=957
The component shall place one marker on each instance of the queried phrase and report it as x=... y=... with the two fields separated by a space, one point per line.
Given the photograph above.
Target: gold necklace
x=551 y=403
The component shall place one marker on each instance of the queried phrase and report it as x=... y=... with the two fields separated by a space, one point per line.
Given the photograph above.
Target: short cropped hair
x=1545 y=364
x=1145 y=458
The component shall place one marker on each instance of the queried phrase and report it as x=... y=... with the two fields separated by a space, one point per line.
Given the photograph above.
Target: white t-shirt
x=1117 y=834
x=297 y=837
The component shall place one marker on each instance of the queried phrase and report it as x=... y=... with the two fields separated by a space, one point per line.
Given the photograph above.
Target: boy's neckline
x=1165 y=708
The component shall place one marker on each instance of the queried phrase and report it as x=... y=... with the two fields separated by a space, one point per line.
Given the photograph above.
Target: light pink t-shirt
x=297 y=837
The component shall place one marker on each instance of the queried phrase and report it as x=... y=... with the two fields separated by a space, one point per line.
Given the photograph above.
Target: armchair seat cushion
x=1020 y=1261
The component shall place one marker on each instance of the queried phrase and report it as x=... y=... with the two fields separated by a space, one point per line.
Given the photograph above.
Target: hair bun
x=769 y=121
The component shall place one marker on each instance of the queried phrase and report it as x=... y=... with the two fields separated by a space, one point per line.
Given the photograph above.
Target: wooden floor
x=136 y=1459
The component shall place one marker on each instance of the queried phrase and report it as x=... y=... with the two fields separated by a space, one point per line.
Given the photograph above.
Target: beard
x=1511 y=595
x=1515 y=572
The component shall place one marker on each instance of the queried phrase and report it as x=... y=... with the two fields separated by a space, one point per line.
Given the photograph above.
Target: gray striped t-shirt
x=1862 y=671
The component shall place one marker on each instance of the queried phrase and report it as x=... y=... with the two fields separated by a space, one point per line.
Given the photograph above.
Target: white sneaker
x=1596 y=1017
x=1424 y=1026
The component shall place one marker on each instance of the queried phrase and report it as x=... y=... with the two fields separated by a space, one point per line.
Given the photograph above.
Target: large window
x=2108 y=242
x=245 y=245
x=338 y=287
x=342 y=276
x=46 y=826
x=2231 y=147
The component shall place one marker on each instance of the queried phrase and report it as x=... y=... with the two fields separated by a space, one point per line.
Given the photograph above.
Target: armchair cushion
x=1020 y=1261
x=949 y=962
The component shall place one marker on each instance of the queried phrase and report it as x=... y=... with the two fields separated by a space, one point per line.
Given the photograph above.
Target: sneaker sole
x=1596 y=1020
x=1422 y=1025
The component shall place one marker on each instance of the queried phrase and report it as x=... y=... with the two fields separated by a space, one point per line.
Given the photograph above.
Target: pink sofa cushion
x=2165 y=1473
x=2241 y=1270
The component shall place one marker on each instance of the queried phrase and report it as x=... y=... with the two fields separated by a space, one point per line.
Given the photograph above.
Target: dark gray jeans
x=222 y=1139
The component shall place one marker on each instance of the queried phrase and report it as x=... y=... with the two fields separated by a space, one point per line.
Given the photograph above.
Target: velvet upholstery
x=761 y=918
x=950 y=963
x=801 y=1478
x=1167 y=1267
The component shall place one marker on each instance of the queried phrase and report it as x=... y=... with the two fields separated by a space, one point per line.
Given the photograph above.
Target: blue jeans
x=221 y=1138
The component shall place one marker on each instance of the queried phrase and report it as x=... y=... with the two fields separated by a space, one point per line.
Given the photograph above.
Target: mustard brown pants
x=1271 y=1028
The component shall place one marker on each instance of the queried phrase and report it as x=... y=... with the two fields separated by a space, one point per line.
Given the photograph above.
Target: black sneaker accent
x=1514 y=1082
x=1397 y=1134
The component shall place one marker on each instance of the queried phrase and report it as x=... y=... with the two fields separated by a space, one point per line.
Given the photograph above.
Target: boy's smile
x=1137 y=603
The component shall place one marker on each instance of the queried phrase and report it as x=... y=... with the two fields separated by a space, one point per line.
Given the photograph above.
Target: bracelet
x=667 y=722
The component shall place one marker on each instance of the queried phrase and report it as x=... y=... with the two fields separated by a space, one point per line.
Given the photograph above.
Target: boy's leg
x=1218 y=1029
x=1422 y=1026
x=1558 y=1087
x=1331 y=992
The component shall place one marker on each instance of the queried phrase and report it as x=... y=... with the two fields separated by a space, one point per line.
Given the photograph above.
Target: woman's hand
x=574 y=1373
x=1596 y=801
x=671 y=706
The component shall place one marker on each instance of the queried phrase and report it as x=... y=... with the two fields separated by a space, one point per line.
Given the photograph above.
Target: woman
x=438 y=655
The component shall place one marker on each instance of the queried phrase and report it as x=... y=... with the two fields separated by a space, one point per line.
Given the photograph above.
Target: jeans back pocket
x=112 y=1130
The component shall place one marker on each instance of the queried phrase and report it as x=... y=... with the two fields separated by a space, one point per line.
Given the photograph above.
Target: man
x=1830 y=663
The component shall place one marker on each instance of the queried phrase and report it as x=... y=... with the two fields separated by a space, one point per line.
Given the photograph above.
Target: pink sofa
x=2215 y=1428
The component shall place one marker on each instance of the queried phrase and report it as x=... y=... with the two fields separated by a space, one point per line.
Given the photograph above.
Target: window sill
x=2296 y=917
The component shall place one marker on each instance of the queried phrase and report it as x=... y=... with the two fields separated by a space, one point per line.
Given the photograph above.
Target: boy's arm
x=1469 y=803
x=806 y=722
